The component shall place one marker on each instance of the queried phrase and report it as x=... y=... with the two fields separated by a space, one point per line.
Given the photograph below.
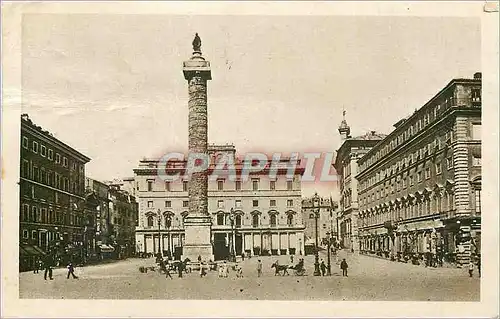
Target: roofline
x=26 y=126
x=418 y=112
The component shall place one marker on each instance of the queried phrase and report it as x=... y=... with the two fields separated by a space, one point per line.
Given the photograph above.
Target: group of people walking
x=47 y=265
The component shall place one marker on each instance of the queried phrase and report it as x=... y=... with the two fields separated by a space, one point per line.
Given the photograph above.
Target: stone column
x=198 y=223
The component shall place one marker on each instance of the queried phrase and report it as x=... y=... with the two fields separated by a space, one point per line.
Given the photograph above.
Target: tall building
x=420 y=188
x=346 y=165
x=53 y=215
x=123 y=209
x=257 y=216
x=327 y=221
x=97 y=194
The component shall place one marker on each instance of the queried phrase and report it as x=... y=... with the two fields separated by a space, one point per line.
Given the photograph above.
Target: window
x=449 y=162
x=438 y=168
x=238 y=220
x=25 y=142
x=25 y=169
x=476 y=161
x=273 y=220
x=411 y=180
x=238 y=203
x=184 y=186
x=272 y=185
x=168 y=222
x=43 y=179
x=150 y=185
x=255 y=203
x=419 y=176
x=185 y=203
x=51 y=154
x=150 y=221
x=220 y=219
x=476 y=131
x=311 y=216
x=35 y=147
x=289 y=220
x=26 y=212
x=220 y=203
x=35 y=173
x=167 y=186
x=33 y=234
x=289 y=202
x=44 y=215
x=43 y=150
x=272 y=203
x=477 y=196
x=65 y=161
x=220 y=185
x=33 y=214
x=255 y=220
x=238 y=185
x=58 y=158
x=427 y=173
x=25 y=234
x=168 y=204
x=255 y=185
x=289 y=185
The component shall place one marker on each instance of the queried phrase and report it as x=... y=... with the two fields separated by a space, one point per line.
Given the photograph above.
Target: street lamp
x=329 y=243
x=159 y=233
x=168 y=225
x=316 y=252
x=233 y=247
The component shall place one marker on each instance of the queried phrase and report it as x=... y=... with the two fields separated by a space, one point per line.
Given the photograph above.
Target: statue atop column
x=197 y=43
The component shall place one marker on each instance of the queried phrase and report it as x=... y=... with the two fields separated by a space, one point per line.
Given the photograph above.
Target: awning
x=106 y=248
x=31 y=250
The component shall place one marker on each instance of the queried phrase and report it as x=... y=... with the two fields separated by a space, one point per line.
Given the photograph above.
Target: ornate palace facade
x=257 y=216
x=420 y=187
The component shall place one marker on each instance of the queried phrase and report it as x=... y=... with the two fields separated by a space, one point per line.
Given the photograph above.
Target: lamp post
x=329 y=243
x=316 y=251
x=168 y=224
x=159 y=233
x=232 y=253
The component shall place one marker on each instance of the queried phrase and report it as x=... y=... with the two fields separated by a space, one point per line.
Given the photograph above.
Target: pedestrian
x=226 y=270
x=344 y=266
x=35 y=265
x=242 y=256
x=291 y=259
x=180 y=268
x=167 y=271
x=471 y=268
x=323 y=267
x=48 y=266
x=71 y=271
x=479 y=265
x=202 y=270
x=259 y=268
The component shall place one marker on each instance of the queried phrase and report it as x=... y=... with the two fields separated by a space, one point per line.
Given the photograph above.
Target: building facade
x=327 y=221
x=420 y=188
x=53 y=215
x=123 y=218
x=346 y=165
x=260 y=215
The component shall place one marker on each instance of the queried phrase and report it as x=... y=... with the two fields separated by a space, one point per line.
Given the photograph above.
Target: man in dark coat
x=71 y=271
x=344 y=266
x=49 y=260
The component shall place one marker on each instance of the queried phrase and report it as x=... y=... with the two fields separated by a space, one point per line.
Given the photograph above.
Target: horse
x=278 y=268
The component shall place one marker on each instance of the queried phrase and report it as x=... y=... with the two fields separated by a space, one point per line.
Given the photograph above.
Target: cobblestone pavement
x=369 y=279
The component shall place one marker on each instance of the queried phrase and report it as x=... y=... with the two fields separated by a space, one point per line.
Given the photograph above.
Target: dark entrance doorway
x=239 y=243
x=221 y=250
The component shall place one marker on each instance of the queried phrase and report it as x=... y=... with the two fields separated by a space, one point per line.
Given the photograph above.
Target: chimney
x=477 y=76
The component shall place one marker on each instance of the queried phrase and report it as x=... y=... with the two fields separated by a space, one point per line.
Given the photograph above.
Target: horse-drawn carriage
x=282 y=270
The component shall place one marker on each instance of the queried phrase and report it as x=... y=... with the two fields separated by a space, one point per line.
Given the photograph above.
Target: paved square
x=369 y=279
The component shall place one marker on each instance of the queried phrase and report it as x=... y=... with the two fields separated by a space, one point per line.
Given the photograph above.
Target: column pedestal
x=198 y=239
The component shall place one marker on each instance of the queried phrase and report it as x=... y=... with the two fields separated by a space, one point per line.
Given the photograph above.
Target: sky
x=112 y=87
